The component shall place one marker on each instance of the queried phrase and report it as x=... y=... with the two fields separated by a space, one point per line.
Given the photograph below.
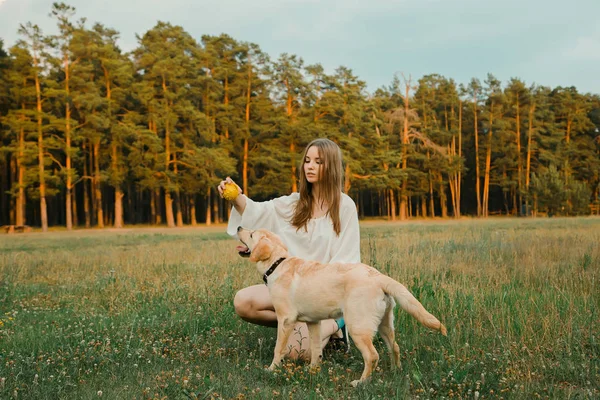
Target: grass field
x=148 y=313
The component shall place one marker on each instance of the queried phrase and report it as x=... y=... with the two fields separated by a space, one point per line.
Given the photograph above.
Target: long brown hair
x=331 y=179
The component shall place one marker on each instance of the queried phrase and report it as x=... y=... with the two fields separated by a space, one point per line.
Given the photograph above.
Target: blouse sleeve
x=346 y=246
x=262 y=215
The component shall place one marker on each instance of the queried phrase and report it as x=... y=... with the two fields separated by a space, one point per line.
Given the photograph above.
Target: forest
x=92 y=136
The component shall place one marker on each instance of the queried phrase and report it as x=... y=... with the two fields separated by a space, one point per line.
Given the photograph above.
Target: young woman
x=319 y=223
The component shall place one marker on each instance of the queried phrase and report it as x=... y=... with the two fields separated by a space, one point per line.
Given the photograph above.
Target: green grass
x=150 y=315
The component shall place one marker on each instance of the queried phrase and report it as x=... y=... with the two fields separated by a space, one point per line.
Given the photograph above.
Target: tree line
x=93 y=136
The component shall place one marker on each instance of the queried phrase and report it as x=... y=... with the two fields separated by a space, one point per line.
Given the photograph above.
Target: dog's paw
x=272 y=367
x=356 y=383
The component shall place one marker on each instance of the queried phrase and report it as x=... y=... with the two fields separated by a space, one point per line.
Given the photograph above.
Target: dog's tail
x=410 y=304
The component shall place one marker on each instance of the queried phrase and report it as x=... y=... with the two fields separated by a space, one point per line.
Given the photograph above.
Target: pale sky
x=548 y=42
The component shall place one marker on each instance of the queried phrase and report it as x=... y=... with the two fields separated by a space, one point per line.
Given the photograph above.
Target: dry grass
x=147 y=313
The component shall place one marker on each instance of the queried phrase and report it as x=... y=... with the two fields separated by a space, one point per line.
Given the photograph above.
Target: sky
x=546 y=42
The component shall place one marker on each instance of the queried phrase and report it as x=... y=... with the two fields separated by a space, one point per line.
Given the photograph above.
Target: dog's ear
x=262 y=251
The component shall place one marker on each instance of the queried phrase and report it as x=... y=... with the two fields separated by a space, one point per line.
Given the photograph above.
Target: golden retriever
x=310 y=291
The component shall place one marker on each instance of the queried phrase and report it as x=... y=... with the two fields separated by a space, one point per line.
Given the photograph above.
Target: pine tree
x=115 y=76
x=166 y=58
x=7 y=142
x=517 y=95
x=494 y=110
x=290 y=91
x=34 y=44
x=62 y=43
x=571 y=115
x=474 y=90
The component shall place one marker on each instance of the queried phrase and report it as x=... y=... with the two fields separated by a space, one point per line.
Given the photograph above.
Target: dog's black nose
x=239 y=228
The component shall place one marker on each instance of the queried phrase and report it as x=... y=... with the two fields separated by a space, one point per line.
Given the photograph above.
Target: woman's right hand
x=240 y=201
x=222 y=184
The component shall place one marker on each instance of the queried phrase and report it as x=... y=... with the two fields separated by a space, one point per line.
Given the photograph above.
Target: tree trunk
x=86 y=197
x=178 y=208
x=74 y=202
x=42 y=173
x=529 y=150
x=168 y=198
x=118 y=221
x=208 y=207
x=430 y=181
x=567 y=141
x=69 y=183
x=477 y=173
x=169 y=210
x=97 y=187
x=192 y=206
x=292 y=154
x=215 y=208
x=431 y=197
x=11 y=176
x=245 y=168
x=20 y=206
x=488 y=165
x=452 y=185
x=519 y=162
x=443 y=197
x=152 y=207
x=459 y=174
x=118 y=208
x=226 y=102
x=404 y=193
x=387 y=202
x=178 y=203
x=158 y=204
x=247 y=138
x=392 y=204
x=92 y=184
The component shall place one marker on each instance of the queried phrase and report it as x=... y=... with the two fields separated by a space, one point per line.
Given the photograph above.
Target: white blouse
x=317 y=243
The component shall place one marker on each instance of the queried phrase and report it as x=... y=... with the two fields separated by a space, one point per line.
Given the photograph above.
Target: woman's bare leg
x=299 y=341
x=253 y=304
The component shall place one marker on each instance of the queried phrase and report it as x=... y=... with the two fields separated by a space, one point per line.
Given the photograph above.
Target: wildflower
x=99 y=393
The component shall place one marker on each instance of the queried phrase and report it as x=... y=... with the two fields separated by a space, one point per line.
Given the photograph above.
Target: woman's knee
x=243 y=304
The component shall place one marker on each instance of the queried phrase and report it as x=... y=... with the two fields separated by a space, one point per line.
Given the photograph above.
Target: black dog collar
x=270 y=270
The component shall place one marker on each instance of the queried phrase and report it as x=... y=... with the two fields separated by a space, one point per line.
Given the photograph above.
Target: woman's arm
x=258 y=215
x=239 y=203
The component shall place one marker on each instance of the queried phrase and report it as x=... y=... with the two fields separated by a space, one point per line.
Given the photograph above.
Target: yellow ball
x=231 y=191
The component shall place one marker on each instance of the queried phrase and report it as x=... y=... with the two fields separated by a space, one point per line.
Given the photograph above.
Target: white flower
x=99 y=393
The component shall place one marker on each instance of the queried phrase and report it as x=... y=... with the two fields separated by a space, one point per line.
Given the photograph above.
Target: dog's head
x=260 y=245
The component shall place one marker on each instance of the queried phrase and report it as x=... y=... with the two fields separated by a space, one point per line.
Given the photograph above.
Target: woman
x=319 y=223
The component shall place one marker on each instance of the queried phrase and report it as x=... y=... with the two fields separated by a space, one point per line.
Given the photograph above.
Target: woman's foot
x=340 y=338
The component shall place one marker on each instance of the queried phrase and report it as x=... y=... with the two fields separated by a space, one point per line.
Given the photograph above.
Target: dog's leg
x=364 y=342
x=386 y=330
x=314 y=333
x=285 y=326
